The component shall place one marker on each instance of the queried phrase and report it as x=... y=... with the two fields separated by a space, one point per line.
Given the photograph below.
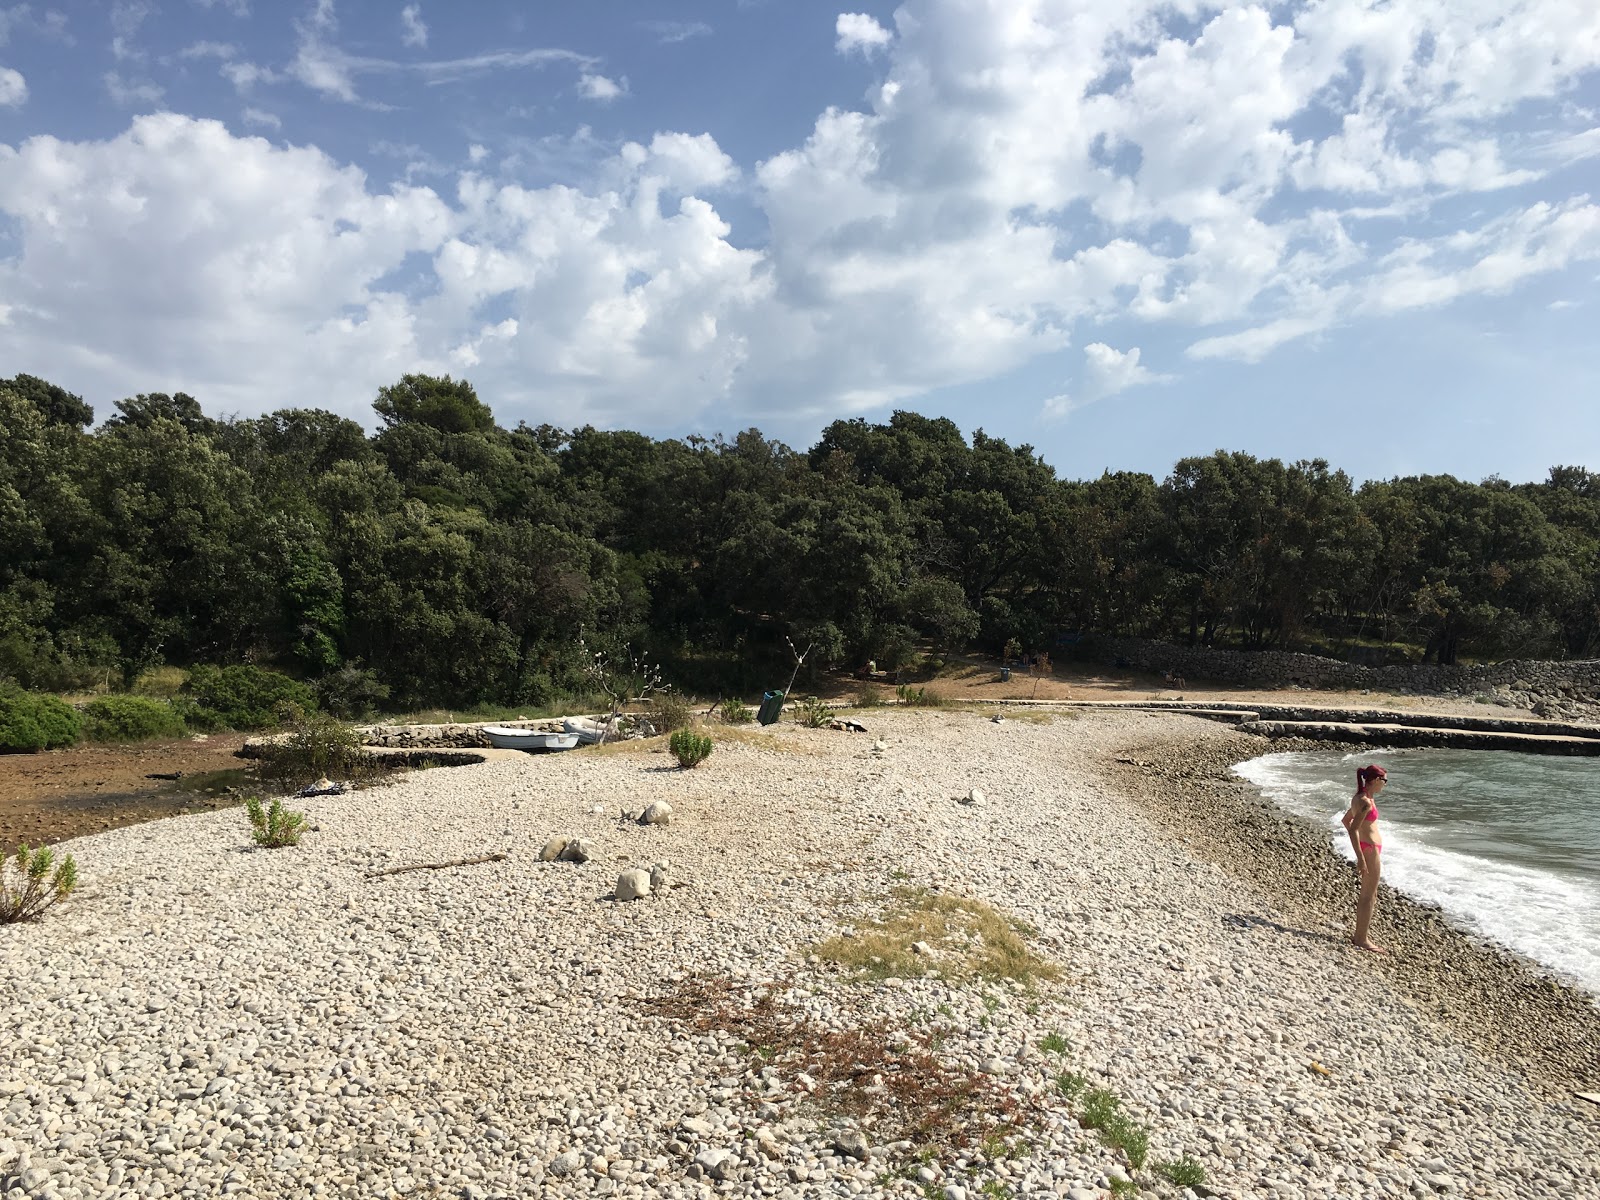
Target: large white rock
x=578 y=850
x=554 y=848
x=719 y=1164
x=659 y=813
x=633 y=885
x=566 y=1163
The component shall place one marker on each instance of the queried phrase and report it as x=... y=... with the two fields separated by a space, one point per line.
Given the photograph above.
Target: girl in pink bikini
x=1361 y=823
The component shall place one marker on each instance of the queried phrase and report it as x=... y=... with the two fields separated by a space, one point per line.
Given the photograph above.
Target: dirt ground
x=46 y=798
x=977 y=679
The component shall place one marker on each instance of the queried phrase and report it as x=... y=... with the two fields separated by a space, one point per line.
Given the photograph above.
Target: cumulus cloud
x=592 y=86
x=131 y=93
x=858 y=31
x=1106 y=372
x=413 y=31
x=13 y=88
x=1240 y=176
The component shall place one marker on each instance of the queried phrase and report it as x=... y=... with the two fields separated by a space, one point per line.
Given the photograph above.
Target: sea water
x=1508 y=845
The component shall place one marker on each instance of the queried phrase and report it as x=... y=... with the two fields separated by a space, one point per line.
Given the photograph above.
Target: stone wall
x=1556 y=689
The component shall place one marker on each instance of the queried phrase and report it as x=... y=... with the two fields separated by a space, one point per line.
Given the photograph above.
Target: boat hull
x=502 y=738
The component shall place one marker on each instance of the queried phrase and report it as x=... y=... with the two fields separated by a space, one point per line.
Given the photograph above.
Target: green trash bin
x=771 y=708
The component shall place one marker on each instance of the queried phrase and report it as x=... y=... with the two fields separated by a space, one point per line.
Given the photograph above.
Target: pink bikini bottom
x=1375 y=847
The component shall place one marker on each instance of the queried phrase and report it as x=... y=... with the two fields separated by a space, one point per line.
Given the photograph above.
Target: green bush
x=30 y=722
x=919 y=697
x=351 y=692
x=813 y=713
x=1184 y=1172
x=275 y=825
x=689 y=748
x=670 y=711
x=869 y=697
x=244 y=697
x=41 y=882
x=737 y=712
x=130 y=719
x=316 y=746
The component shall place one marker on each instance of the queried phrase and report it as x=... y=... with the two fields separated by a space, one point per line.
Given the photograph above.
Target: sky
x=1120 y=231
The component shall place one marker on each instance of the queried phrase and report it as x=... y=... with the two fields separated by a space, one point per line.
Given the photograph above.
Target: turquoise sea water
x=1508 y=845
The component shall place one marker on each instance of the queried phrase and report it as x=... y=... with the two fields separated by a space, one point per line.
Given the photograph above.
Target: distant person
x=1361 y=823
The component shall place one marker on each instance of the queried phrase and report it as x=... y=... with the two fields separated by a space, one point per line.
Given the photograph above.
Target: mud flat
x=209 y=1018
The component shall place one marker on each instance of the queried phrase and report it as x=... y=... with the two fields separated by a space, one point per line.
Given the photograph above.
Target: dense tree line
x=445 y=559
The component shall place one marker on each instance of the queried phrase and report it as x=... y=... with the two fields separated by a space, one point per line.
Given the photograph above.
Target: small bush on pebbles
x=690 y=748
x=41 y=883
x=1184 y=1172
x=813 y=713
x=274 y=826
x=670 y=711
x=737 y=712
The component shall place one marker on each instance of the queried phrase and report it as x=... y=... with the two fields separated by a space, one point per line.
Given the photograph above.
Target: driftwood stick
x=454 y=862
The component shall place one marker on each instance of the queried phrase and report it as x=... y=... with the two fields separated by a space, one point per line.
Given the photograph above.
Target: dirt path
x=46 y=798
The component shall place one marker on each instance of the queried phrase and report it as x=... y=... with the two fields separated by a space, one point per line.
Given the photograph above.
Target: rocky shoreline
x=952 y=958
x=1509 y=1007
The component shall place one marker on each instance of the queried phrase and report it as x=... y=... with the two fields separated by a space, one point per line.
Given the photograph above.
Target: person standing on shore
x=1361 y=823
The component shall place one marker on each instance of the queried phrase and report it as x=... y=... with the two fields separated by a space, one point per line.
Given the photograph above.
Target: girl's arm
x=1352 y=822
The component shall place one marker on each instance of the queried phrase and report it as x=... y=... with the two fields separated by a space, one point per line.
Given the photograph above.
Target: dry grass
x=969 y=939
x=1028 y=716
x=884 y=1079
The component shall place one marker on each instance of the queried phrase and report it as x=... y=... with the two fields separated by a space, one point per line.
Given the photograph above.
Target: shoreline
x=1509 y=1006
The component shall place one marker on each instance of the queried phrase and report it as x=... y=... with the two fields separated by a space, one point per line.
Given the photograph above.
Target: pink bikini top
x=1372 y=810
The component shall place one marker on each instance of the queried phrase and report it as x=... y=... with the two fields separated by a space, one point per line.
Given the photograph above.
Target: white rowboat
x=503 y=738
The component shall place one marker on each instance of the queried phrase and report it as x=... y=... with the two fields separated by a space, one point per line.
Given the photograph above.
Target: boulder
x=659 y=813
x=566 y=1163
x=852 y=1143
x=578 y=850
x=554 y=849
x=633 y=885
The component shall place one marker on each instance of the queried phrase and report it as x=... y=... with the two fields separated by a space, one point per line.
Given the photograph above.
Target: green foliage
x=919 y=697
x=274 y=826
x=689 y=747
x=34 y=883
x=316 y=745
x=1182 y=1172
x=868 y=697
x=30 y=722
x=737 y=712
x=1054 y=1043
x=122 y=718
x=1100 y=1108
x=244 y=697
x=670 y=711
x=351 y=692
x=1071 y=1085
x=812 y=712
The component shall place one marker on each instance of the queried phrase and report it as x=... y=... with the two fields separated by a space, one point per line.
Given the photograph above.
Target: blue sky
x=1122 y=232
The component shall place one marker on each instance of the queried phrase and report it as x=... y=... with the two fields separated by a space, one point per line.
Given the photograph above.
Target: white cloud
x=130 y=93
x=219 y=50
x=1227 y=177
x=245 y=75
x=1106 y=371
x=49 y=23
x=597 y=87
x=858 y=31
x=13 y=88
x=413 y=30
x=126 y=18
x=259 y=116
x=477 y=153
x=671 y=32
x=239 y=8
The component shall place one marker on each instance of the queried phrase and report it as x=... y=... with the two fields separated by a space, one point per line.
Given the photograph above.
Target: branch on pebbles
x=438 y=866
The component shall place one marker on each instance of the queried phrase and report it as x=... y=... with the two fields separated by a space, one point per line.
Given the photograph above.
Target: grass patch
x=969 y=939
x=163 y=683
x=920 y=697
x=877 y=1076
x=1054 y=1043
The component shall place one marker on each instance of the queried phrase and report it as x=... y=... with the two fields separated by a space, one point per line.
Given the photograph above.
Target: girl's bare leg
x=1368 y=902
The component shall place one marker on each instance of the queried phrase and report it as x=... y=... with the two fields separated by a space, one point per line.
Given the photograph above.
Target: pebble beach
x=204 y=1018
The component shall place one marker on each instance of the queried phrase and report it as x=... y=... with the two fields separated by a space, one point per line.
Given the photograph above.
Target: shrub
x=1184 y=1172
x=919 y=697
x=1100 y=1109
x=31 y=722
x=869 y=697
x=244 y=697
x=351 y=691
x=317 y=746
x=670 y=711
x=689 y=748
x=813 y=713
x=1123 y=1134
x=737 y=712
x=41 y=882
x=275 y=825
x=130 y=719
